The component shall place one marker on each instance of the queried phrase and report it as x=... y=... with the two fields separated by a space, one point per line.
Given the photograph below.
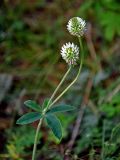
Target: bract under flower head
x=76 y=26
x=70 y=53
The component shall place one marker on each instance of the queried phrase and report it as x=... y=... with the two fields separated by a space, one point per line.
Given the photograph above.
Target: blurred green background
x=31 y=35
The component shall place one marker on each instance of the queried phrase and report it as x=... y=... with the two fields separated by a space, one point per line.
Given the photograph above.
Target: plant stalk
x=59 y=85
x=81 y=63
x=50 y=104
x=40 y=122
x=36 y=139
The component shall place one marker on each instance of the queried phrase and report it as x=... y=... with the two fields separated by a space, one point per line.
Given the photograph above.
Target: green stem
x=81 y=63
x=61 y=82
x=36 y=139
x=40 y=122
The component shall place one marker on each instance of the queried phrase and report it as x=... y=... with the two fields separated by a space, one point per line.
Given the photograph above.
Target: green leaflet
x=29 y=118
x=55 y=125
x=32 y=105
x=60 y=108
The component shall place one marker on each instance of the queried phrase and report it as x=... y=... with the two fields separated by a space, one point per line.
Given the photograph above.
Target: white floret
x=70 y=53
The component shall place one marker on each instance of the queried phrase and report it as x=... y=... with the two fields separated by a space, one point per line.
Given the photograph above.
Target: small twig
x=79 y=118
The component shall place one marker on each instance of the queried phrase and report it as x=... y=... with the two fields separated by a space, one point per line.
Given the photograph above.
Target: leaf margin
x=22 y=120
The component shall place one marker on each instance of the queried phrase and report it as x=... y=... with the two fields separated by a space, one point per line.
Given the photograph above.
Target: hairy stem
x=59 y=85
x=81 y=63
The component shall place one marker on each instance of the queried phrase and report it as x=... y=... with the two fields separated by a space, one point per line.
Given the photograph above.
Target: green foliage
x=19 y=139
x=52 y=121
x=109 y=18
x=55 y=125
x=109 y=109
x=111 y=22
x=29 y=118
x=115 y=136
x=106 y=13
x=32 y=105
x=109 y=148
x=60 y=108
x=112 y=108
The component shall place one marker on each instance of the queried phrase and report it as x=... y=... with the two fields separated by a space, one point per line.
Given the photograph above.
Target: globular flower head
x=70 y=53
x=76 y=26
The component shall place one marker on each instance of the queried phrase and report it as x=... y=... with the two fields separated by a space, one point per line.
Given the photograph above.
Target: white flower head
x=70 y=53
x=76 y=26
